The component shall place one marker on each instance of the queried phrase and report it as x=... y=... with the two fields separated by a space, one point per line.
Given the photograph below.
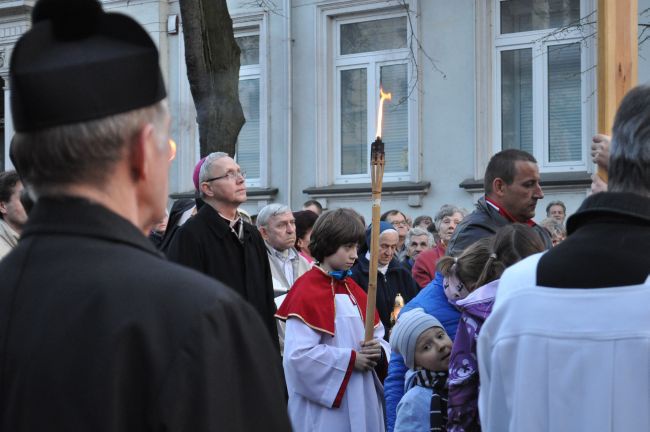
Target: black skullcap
x=78 y=63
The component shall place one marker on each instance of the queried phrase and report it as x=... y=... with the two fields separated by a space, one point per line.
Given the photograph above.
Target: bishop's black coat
x=99 y=333
x=206 y=243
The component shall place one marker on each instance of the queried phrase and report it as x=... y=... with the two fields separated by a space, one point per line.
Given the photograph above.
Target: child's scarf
x=437 y=382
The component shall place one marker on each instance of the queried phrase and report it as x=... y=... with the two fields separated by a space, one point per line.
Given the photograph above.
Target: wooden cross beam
x=617 y=59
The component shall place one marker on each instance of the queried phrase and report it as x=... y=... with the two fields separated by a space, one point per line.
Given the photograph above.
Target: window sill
x=413 y=190
x=548 y=181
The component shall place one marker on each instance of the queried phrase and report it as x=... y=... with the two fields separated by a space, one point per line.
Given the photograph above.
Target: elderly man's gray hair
x=269 y=211
x=629 y=160
x=204 y=172
x=417 y=231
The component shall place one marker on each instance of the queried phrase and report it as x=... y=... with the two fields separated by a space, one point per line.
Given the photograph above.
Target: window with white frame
x=542 y=81
x=251 y=97
x=371 y=51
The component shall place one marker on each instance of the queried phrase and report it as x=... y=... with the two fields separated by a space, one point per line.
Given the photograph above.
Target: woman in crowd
x=445 y=222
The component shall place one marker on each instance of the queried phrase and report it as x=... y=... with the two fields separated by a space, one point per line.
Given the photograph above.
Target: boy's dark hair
x=8 y=181
x=502 y=165
x=334 y=229
x=510 y=244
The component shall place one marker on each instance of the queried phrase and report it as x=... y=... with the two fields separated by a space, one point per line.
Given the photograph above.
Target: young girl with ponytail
x=511 y=244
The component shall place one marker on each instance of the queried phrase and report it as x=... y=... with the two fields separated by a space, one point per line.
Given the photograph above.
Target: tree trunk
x=212 y=58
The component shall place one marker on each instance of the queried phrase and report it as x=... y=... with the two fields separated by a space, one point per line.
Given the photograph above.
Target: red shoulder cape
x=311 y=299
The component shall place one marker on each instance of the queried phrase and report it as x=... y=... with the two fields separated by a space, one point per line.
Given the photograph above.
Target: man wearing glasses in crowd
x=220 y=244
x=401 y=225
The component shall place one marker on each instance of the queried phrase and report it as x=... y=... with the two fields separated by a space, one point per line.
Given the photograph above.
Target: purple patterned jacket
x=463 y=367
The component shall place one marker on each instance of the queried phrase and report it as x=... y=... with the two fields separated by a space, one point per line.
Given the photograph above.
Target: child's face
x=454 y=288
x=342 y=259
x=433 y=349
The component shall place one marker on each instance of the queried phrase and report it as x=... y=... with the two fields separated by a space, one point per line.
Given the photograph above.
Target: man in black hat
x=97 y=331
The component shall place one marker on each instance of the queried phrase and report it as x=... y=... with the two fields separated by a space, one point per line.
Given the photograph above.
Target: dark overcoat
x=397 y=280
x=98 y=332
x=608 y=245
x=206 y=243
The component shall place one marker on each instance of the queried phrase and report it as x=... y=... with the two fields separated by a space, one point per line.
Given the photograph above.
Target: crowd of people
x=221 y=320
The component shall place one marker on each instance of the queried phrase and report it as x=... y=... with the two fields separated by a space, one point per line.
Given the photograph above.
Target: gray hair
x=553 y=227
x=629 y=160
x=204 y=172
x=80 y=153
x=447 y=210
x=415 y=232
x=269 y=211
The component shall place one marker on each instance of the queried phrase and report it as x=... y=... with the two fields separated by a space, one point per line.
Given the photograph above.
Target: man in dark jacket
x=393 y=279
x=98 y=331
x=595 y=287
x=218 y=243
x=512 y=190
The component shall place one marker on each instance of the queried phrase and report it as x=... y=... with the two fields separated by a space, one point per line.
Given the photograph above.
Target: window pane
x=564 y=103
x=528 y=15
x=396 y=126
x=354 y=122
x=517 y=100
x=377 y=35
x=248 y=142
x=250 y=50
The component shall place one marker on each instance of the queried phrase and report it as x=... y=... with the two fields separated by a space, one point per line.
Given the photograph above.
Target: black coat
x=608 y=245
x=484 y=221
x=397 y=280
x=207 y=244
x=100 y=333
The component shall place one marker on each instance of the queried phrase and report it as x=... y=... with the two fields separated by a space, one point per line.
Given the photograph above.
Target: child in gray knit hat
x=426 y=348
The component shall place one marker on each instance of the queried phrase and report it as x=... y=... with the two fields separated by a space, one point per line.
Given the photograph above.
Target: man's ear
x=141 y=152
x=498 y=186
x=3 y=208
x=205 y=189
x=263 y=232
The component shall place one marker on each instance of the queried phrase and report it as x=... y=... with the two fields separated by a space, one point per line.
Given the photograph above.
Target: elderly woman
x=445 y=222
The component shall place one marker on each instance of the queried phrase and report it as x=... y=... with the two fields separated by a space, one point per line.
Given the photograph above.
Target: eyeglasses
x=230 y=175
x=399 y=224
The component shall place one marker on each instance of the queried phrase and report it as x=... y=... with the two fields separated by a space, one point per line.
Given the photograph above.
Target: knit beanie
x=406 y=331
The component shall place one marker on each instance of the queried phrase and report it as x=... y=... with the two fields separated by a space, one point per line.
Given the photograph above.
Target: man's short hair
x=446 y=210
x=421 y=219
x=502 y=165
x=269 y=211
x=8 y=181
x=629 y=160
x=415 y=232
x=313 y=202
x=333 y=229
x=205 y=171
x=84 y=152
x=555 y=203
x=393 y=212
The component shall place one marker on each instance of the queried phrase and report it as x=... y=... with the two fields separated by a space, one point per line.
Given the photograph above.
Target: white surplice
x=315 y=365
x=565 y=360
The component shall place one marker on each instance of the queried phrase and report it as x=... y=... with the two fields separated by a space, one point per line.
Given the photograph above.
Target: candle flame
x=380 y=114
x=172 y=147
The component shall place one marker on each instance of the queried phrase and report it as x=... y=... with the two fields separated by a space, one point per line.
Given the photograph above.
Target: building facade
x=468 y=78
